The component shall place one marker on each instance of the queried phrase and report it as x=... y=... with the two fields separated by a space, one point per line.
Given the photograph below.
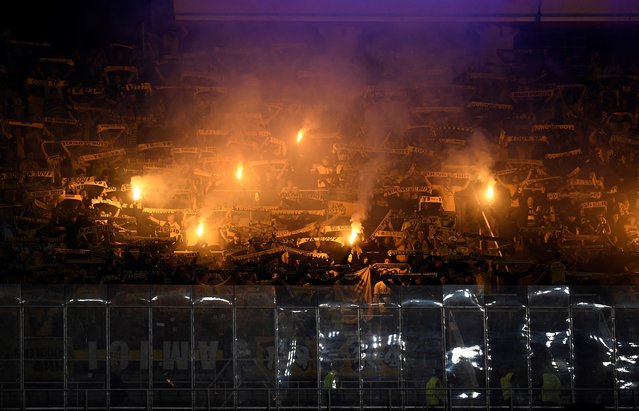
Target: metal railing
x=444 y=399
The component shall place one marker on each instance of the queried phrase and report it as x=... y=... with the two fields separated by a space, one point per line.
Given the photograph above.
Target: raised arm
x=525 y=182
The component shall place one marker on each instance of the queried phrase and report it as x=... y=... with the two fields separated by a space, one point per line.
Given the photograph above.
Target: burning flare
x=137 y=193
x=239 y=172
x=200 y=229
x=356 y=230
x=490 y=189
x=300 y=135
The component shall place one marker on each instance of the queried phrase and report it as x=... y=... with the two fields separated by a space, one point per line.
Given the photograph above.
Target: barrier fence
x=313 y=399
x=206 y=347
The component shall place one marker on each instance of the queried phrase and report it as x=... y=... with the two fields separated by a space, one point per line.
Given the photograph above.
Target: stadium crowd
x=172 y=162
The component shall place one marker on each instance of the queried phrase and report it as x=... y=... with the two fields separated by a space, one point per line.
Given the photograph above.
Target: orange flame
x=490 y=189
x=137 y=193
x=356 y=230
x=300 y=135
x=239 y=171
x=200 y=230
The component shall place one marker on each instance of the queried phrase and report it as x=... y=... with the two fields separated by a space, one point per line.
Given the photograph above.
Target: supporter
x=532 y=218
x=572 y=224
x=170 y=226
x=574 y=149
x=325 y=173
x=382 y=291
x=447 y=191
x=631 y=232
x=617 y=232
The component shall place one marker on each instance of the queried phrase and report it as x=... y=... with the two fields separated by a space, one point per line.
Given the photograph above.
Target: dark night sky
x=90 y=23
x=75 y=23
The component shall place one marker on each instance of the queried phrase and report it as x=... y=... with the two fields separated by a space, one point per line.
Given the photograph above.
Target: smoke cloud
x=355 y=82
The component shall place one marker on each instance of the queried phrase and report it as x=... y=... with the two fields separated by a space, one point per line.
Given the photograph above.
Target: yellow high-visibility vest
x=432 y=391
x=330 y=381
x=506 y=386
x=550 y=389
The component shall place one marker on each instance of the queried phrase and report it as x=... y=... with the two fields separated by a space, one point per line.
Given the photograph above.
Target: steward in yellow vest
x=434 y=391
x=550 y=388
x=506 y=386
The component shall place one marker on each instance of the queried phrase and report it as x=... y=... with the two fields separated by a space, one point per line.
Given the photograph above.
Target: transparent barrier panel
x=380 y=351
x=551 y=362
x=593 y=352
x=211 y=295
x=255 y=348
x=339 y=347
x=86 y=347
x=81 y=399
x=341 y=296
x=297 y=356
x=129 y=350
x=421 y=296
x=129 y=295
x=171 y=348
x=551 y=345
x=296 y=296
x=86 y=294
x=35 y=294
x=460 y=296
x=255 y=296
x=423 y=351
x=507 y=296
x=548 y=296
x=43 y=347
x=213 y=336
x=465 y=356
x=171 y=295
x=10 y=347
x=627 y=367
x=507 y=351
x=44 y=398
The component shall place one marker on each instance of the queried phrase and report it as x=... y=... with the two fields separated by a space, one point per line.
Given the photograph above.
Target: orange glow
x=490 y=190
x=200 y=230
x=300 y=135
x=239 y=172
x=356 y=229
x=353 y=237
x=137 y=193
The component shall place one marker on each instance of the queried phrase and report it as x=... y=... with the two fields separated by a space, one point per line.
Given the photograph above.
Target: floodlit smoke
x=161 y=190
x=384 y=121
x=271 y=97
x=356 y=228
x=476 y=157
